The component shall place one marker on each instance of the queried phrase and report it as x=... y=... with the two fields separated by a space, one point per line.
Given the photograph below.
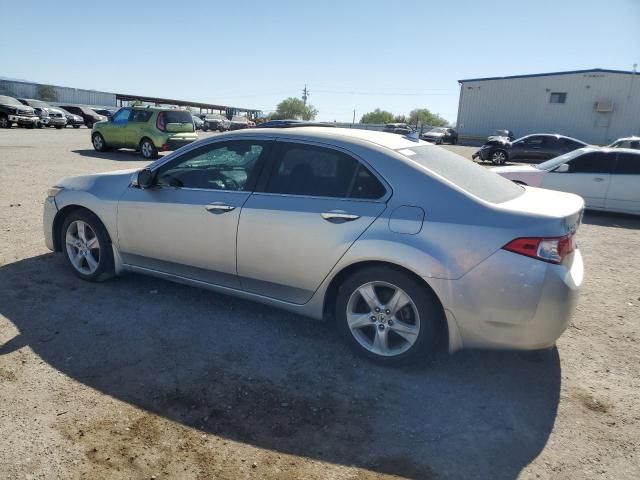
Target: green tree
x=294 y=108
x=426 y=117
x=47 y=93
x=401 y=119
x=377 y=116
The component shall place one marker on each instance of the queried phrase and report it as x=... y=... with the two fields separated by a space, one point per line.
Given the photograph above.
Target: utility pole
x=354 y=116
x=305 y=94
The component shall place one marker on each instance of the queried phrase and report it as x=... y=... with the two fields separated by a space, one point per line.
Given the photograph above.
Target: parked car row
x=220 y=123
x=30 y=113
x=534 y=148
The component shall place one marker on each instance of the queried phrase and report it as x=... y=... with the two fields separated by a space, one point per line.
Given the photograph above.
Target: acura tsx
x=404 y=245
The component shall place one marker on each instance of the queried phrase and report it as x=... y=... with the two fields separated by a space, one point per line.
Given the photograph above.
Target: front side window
x=558 y=97
x=219 y=166
x=122 y=117
x=321 y=172
x=535 y=141
x=595 y=162
x=628 y=164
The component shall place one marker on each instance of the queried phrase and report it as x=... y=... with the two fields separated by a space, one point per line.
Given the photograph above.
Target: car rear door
x=186 y=224
x=137 y=121
x=624 y=190
x=312 y=203
x=588 y=176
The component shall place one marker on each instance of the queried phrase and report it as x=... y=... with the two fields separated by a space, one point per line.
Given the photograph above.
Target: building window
x=558 y=97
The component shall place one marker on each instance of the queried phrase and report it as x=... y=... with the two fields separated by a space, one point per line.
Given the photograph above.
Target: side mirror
x=564 y=168
x=146 y=178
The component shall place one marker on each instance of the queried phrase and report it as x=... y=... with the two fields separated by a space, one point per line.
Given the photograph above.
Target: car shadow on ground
x=278 y=381
x=609 y=219
x=120 y=155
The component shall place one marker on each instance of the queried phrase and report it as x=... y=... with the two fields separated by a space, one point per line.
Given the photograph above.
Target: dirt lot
x=141 y=378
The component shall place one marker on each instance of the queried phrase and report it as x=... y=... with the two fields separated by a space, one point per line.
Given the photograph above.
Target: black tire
x=430 y=317
x=99 y=145
x=499 y=157
x=4 y=121
x=205 y=128
x=76 y=126
x=89 y=125
x=148 y=149
x=105 y=265
x=30 y=126
x=59 y=127
x=40 y=125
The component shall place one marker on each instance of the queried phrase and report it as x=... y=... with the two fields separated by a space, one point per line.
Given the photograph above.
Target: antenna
x=305 y=94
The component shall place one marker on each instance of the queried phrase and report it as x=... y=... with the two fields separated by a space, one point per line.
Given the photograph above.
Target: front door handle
x=219 y=207
x=598 y=179
x=339 y=215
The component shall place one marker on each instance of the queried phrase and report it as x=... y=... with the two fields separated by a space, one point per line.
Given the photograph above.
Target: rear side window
x=177 y=116
x=467 y=175
x=140 y=115
x=321 y=172
x=628 y=164
x=595 y=162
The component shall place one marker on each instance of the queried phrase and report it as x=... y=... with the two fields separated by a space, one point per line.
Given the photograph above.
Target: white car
x=606 y=178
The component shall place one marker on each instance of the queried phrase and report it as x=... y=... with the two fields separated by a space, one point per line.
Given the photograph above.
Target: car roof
x=626 y=138
x=392 y=141
x=593 y=148
x=556 y=135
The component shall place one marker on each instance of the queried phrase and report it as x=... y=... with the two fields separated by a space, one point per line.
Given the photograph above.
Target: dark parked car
x=215 y=121
x=12 y=111
x=88 y=115
x=105 y=112
x=399 y=128
x=535 y=148
x=440 y=135
x=73 y=120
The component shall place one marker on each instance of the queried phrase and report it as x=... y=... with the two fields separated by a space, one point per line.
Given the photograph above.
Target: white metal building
x=596 y=105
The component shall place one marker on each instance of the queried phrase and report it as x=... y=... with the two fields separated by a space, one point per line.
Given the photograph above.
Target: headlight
x=53 y=191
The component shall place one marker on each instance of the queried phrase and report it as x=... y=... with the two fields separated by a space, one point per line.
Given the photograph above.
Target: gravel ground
x=141 y=378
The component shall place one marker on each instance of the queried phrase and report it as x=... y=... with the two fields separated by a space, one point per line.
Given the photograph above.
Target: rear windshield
x=4 y=100
x=177 y=116
x=466 y=174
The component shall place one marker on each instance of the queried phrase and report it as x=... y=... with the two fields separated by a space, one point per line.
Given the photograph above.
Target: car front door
x=311 y=205
x=137 y=120
x=534 y=149
x=624 y=190
x=113 y=130
x=588 y=176
x=186 y=224
x=518 y=150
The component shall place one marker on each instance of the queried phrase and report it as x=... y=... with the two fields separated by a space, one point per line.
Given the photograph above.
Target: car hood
x=497 y=138
x=88 y=182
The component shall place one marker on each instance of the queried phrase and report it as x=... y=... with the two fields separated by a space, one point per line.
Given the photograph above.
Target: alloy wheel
x=83 y=247
x=499 y=158
x=383 y=318
x=97 y=142
x=146 y=149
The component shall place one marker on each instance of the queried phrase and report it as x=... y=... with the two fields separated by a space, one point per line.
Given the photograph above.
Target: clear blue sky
x=352 y=54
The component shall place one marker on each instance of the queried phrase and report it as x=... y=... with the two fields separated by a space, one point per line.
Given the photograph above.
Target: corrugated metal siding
x=522 y=105
x=69 y=95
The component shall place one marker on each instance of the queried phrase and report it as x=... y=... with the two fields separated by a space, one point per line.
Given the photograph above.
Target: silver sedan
x=406 y=246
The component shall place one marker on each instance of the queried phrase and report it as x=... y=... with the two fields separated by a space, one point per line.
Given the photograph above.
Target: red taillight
x=552 y=250
x=160 y=122
x=165 y=147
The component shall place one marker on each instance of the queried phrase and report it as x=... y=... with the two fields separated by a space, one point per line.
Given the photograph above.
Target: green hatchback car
x=145 y=129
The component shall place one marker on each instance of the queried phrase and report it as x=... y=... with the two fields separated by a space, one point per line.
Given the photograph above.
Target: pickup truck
x=12 y=111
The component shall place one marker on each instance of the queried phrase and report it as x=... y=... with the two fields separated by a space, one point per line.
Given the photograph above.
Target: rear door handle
x=339 y=215
x=219 y=207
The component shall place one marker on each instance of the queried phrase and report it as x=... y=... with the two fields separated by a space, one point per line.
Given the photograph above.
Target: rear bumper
x=512 y=302
x=176 y=143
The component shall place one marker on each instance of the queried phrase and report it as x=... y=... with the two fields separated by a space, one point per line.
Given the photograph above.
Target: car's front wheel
x=388 y=315
x=148 y=149
x=86 y=246
x=98 y=142
x=499 y=157
x=4 y=121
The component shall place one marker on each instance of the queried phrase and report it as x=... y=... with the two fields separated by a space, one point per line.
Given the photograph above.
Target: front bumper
x=23 y=120
x=482 y=154
x=513 y=302
x=48 y=216
x=57 y=122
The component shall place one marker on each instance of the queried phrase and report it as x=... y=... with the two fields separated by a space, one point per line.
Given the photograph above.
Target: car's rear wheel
x=98 y=142
x=148 y=149
x=4 y=121
x=499 y=157
x=388 y=315
x=59 y=127
x=86 y=246
x=76 y=126
x=89 y=125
